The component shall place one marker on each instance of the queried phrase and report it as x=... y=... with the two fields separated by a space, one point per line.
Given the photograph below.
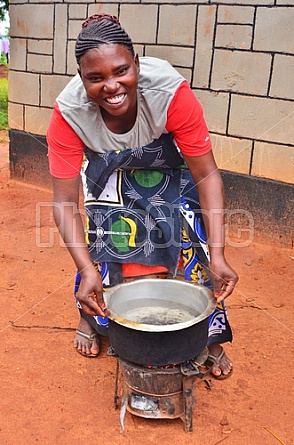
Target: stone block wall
x=238 y=56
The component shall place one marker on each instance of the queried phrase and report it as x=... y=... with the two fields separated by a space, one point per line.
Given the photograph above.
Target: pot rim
x=158 y=328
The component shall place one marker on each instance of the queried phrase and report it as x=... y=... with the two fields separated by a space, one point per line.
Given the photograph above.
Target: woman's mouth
x=115 y=100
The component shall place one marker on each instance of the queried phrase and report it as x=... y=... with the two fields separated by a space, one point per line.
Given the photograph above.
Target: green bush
x=3 y=60
x=3 y=104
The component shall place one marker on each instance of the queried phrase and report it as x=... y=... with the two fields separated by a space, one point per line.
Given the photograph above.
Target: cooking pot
x=158 y=322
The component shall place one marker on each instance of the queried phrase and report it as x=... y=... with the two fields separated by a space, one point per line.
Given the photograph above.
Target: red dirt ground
x=51 y=395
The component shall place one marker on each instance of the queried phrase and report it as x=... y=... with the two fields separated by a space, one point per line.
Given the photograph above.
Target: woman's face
x=110 y=77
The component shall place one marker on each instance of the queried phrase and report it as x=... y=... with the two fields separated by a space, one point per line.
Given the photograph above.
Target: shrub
x=3 y=104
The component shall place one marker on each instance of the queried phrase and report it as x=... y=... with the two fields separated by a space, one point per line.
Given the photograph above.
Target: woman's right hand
x=90 y=293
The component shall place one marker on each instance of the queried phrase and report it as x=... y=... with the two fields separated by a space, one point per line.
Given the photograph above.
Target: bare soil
x=51 y=395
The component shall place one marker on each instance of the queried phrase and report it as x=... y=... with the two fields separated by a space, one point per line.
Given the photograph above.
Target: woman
x=135 y=126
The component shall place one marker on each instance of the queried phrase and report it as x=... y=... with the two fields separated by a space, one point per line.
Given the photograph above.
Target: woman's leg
x=87 y=339
x=89 y=328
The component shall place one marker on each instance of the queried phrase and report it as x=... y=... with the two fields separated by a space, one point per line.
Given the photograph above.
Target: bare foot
x=222 y=366
x=87 y=339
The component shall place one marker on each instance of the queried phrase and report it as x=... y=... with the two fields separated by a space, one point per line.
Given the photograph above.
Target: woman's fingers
x=224 y=288
x=90 y=293
x=225 y=279
x=91 y=304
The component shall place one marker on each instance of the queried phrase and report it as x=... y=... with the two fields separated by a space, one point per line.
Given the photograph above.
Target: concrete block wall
x=238 y=56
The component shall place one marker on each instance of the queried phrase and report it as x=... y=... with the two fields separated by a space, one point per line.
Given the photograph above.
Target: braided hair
x=101 y=29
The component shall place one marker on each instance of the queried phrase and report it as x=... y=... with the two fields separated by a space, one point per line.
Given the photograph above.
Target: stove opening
x=143 y=402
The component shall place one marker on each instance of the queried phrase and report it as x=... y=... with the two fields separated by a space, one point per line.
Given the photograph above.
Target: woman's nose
x=110 y=84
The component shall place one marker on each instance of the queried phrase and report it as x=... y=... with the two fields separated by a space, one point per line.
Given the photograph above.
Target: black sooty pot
x=158 y=322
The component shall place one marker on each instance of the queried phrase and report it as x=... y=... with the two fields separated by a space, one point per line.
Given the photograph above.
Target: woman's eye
x=122 y=72
x=95 y=79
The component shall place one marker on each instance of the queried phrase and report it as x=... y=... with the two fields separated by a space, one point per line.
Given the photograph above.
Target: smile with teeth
x=115 y=100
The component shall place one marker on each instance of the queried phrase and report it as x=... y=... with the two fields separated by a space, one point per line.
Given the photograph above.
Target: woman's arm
x=65 y=153
x=69 y=223
x=211 y=197
x=186 y=121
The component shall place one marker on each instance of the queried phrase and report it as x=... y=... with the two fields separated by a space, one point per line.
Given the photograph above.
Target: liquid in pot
x=159 y=316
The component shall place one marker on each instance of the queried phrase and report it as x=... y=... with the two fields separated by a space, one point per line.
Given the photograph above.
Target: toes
x=94 y=348
x=81 y=346
x=225 y=368
x=216 y=371
x=222 y=366
x=219 y=370
x=86 y=347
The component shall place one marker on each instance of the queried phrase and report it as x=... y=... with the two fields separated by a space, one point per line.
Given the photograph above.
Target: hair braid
x=101 y=29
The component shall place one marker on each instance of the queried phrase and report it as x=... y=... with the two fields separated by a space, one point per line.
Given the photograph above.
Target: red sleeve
x=186 y=121
x=65 y=148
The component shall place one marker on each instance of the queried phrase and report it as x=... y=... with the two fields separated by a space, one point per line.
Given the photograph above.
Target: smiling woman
x=135 y=130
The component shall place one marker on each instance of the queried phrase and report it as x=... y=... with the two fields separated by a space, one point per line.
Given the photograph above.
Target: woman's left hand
x=224 y=278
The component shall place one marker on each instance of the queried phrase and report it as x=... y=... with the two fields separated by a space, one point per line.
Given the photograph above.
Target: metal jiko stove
x=166 y=392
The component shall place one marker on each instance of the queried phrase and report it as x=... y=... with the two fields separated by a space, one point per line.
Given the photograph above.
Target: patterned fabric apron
x=142 y=207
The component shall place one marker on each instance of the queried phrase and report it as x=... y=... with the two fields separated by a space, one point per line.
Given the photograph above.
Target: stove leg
x=188 y=403
x=122 y=400
x=123 y=408
x=116 y=397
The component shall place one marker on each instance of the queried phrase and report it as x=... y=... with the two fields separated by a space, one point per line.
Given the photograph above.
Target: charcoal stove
x=159 y=392
x=158 y=330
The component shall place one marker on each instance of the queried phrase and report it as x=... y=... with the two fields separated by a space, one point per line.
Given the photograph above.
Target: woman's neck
x=119 y=124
